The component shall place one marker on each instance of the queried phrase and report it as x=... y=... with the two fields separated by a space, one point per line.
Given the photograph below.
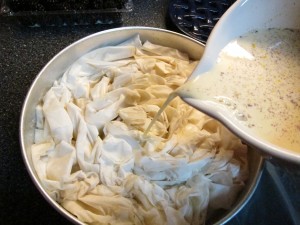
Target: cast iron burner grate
x=196 y=18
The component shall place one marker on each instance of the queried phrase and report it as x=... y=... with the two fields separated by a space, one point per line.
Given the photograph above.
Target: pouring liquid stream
x=257 y=80
x=161 y=110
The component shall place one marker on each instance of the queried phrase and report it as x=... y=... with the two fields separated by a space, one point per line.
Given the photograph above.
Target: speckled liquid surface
x=257 y=78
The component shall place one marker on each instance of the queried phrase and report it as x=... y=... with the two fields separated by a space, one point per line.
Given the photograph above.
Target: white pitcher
x=242 y=17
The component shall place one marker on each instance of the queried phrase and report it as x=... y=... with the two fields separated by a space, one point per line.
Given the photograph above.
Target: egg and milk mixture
x=257 y=78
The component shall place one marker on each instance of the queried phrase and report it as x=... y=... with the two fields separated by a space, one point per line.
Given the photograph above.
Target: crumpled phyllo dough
x=59 y=122
x=164 y=51
x=153 y=202
x=134 y=116
x=93 y=66
x=91 y=153
x=104 y=109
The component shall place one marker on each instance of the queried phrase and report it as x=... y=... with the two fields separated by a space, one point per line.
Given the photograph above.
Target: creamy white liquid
x=162 y=108
x=257 y=78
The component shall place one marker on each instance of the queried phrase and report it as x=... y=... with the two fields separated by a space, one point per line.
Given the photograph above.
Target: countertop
x=23 y=53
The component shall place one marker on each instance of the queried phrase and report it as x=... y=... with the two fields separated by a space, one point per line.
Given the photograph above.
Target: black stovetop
x=23 y=53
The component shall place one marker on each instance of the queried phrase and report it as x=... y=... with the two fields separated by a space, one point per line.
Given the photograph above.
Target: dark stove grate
x=196 y=18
